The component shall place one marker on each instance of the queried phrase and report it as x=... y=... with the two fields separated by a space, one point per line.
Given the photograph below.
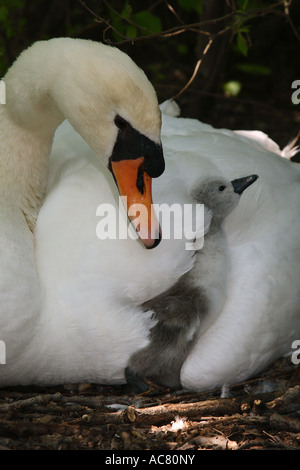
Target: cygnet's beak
x=135 y=187
x=240 y=184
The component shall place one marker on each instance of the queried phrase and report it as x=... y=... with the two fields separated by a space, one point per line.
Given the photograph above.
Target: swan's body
x=70 y=303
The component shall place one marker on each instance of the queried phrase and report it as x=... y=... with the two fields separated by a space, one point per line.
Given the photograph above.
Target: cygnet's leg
x=177 y=314
x=160 y=361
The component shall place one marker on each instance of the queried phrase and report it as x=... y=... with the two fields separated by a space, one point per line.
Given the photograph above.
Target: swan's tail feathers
x=171 y=108
x=291 y=149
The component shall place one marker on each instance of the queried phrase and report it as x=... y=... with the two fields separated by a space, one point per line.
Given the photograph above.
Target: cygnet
x=198 y=294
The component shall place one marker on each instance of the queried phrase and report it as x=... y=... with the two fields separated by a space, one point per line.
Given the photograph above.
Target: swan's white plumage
x=72 y=314
x=99 y=284
x=261 y=315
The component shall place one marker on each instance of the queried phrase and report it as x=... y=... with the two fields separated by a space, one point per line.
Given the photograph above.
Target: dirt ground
x=261 y=413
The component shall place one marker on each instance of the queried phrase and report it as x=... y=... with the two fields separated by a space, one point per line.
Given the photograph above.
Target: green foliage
x=8 y=13
x=247 y=10
x=148 y=22
x=190 y=5
x=11 y=25
x=253 y=69
x=132 y=25
x=241 y=41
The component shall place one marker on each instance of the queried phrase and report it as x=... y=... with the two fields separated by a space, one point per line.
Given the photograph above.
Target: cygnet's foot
x=136 y=381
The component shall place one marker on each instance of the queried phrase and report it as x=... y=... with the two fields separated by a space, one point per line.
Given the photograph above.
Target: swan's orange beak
x=135 y=184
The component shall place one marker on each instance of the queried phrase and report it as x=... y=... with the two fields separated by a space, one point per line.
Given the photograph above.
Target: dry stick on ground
x=65 y=420
x=157 y=415
x=204 y=422
x=57 y=398
x=289 y=401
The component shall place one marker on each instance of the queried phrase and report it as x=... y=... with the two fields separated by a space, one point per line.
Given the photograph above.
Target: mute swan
x=111 y=103
x=200 y=292
x=71 y=303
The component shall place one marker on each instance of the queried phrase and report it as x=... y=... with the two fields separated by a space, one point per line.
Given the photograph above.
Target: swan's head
x=115 y=109
x=108 y=100
x=220 y=195
x=111 y=103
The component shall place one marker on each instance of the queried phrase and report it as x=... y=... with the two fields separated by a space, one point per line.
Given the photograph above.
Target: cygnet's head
x=220 y=195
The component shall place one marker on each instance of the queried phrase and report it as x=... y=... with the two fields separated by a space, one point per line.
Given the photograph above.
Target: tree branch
x=195 y=71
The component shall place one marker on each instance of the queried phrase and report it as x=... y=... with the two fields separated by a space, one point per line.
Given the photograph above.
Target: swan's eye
x=221 y=188
x=120 y=123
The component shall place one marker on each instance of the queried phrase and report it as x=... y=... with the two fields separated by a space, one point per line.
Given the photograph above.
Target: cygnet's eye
x=120 y=122
x=222 y=187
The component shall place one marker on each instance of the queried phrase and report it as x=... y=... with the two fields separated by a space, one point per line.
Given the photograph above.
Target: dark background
x=259 y=50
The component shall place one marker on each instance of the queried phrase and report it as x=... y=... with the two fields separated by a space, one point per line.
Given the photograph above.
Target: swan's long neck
x=27 y=124
x=43 y=87
x=23 y=168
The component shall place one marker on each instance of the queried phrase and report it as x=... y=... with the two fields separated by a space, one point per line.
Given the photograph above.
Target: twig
x=163 y=414
x=24 y=429
x=57 y=398
x=195 y=71
x=173 y=11
x=219 y=96
x=166 y=33
x=289 y=400
x=195 y=27
x=286 y=423
x=294 y=141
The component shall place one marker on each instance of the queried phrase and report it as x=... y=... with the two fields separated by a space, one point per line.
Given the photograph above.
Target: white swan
x=69 y=301
x=109 y=100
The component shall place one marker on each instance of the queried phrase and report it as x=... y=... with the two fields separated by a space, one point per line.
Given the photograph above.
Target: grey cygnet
x=179 y=310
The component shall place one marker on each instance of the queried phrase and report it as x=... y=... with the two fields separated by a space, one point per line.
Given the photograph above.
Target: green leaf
x=242 y=44
x=190 y=5
x=131 y=31
x=3 y=14
x=242 y=4
x=118 y=25
x=127 y=11
x=254 y=69
x=151 y=23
